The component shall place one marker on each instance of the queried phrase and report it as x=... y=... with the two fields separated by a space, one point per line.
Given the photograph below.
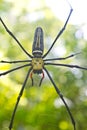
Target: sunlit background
x=41 y=108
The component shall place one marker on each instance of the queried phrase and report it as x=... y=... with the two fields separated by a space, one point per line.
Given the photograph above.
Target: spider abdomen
x=38 y=44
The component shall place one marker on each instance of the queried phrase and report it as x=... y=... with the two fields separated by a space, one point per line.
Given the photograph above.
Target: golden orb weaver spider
x=38 y=63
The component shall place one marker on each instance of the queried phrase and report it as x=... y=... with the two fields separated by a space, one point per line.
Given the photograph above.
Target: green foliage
x=41 y=108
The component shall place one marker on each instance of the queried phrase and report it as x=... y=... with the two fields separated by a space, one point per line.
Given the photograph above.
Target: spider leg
x=67 y=65
x=63 y=58
x=62 y=98
x=17 y=61
x=18 y=99
x=11 y=70
x=61 y=31
x=41 y=78
x=11 y=34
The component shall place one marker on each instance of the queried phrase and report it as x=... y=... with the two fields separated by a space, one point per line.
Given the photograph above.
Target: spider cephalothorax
x=37 y=65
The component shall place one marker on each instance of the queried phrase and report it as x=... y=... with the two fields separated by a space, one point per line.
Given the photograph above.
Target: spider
x=37 y=64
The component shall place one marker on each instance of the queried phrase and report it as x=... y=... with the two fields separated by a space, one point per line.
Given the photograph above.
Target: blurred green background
x=40 y=108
